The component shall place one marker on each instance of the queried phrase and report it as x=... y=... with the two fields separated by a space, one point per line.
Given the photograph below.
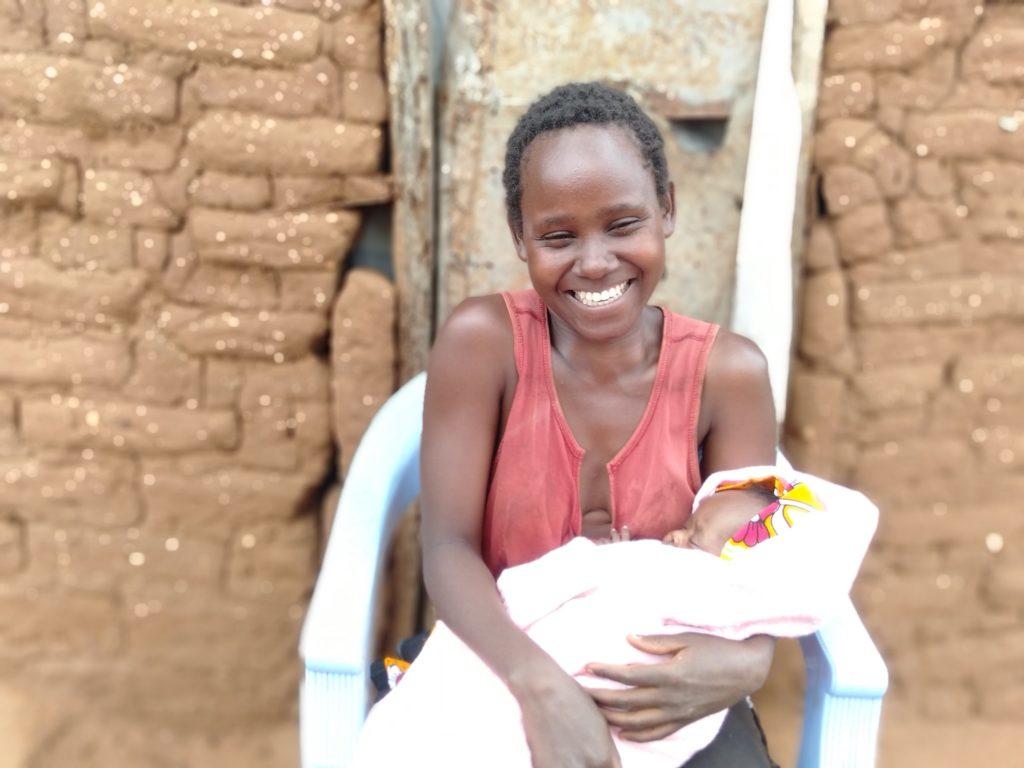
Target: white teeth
x=593 y=299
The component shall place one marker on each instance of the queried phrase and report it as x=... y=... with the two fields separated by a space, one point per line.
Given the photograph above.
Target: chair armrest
x=382 y=481
x=846 y=680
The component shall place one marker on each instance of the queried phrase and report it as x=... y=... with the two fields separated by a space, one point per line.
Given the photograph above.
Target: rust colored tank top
x=533 y=503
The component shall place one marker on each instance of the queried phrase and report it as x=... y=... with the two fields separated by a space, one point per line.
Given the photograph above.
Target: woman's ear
x=517 y=237
x=668 y=211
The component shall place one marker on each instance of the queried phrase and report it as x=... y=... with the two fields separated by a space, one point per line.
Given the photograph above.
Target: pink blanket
x=580 y=601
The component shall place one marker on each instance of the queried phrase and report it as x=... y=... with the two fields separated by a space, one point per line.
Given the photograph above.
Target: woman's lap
x=739 y=744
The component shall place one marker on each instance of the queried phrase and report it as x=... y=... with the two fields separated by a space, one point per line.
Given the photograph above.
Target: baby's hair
x=580 y=104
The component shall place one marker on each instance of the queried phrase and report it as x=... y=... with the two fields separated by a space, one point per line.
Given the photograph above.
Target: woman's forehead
x=591 y=158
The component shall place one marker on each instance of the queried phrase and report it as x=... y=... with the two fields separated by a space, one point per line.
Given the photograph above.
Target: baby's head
x=589 y=205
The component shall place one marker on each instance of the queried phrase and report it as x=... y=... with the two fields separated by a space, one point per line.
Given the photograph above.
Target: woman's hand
x=701 y=674
x=564 y=728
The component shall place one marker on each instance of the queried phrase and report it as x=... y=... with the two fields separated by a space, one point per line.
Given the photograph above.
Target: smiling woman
x=575 y=408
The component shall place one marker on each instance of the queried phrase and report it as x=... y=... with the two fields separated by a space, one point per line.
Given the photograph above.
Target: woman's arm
x=466 y=379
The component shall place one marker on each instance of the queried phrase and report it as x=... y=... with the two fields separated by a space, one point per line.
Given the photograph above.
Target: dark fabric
x=740 y=743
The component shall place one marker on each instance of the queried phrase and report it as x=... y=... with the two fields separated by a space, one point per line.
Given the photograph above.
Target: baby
x=724 y=530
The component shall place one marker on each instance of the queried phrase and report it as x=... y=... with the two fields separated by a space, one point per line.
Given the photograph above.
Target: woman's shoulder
x=477 y=332
x=735 y=378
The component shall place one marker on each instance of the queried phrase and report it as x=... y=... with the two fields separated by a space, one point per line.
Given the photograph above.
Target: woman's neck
x=609 y=359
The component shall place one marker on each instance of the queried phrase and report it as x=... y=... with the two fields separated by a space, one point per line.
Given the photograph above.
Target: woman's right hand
x=564 y=728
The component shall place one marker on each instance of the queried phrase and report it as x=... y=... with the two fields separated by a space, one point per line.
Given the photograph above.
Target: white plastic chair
x=846 y=677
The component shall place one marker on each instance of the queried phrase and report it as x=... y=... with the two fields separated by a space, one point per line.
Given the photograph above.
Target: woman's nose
x=594 y=261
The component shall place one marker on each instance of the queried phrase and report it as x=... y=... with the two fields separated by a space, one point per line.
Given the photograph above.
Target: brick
x=126 y=425
x=362 y=355
x=268 y=439
x=274 y=560
x=151 y=249
x=67 y=624
x=923 y=87
x=965 y=135
x=354 y=40
x=925 y=262
x=222 y=382
x=895 y=44
x=223 y=286
x=944 y=524
x=39 y=86
x=916 y=471
x=308 y=290
x=847 y=12
x=125 y=198
x=934 y=178
x=837 y=140
x=327 y=9
x=846 y=94
x=846 y=188
x=224 y=190
x=364 y=97
x=305 y=191
x=903 y=386
x=73 y=360
x=22 y=26
x=67 y=243
x=26 y=139
x=12 y=545
x=366 y=190
x=947 y=300
x=994 y=218
x=212 y=501
x=1005 y=585
x=278 y=335
x=824 y=317
x=880 y=346
x=281 y=240
x=36 y=182
x=170 y=64
x=20 y=236
x=994 y=53
x=98 y=491
x=249 y=143
x=991 y=374
x=887 y=426
x=209 y=31
x=821 y=251
x=815 y=404
x=1003 y=448
x=961 y=18
x=890 y=163
x=163 y=373
x=864 y=233
x=33 y=289
x=922 y=222
x=65 y=25
x=306 y=379
x=148 y=148
x=304 y=90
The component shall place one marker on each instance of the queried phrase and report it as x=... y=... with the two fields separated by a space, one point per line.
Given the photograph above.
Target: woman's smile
x=597 y=299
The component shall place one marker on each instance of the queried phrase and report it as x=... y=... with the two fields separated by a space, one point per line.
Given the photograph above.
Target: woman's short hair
x=580 y=104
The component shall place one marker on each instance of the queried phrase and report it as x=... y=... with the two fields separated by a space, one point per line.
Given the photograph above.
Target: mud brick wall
x=179 y=186
x=909 y=379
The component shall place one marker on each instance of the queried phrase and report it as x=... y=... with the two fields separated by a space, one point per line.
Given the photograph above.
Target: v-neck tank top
x=533 y=499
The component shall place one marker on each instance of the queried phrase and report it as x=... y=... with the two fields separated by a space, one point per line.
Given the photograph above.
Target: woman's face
x=594 y=229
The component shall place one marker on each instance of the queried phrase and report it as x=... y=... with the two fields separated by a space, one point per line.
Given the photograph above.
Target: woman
x=577 y=409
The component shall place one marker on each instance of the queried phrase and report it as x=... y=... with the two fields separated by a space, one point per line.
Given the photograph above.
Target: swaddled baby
x=579 y=603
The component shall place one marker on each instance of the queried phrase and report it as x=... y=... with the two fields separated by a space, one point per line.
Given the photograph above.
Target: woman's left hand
x=700 y=675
